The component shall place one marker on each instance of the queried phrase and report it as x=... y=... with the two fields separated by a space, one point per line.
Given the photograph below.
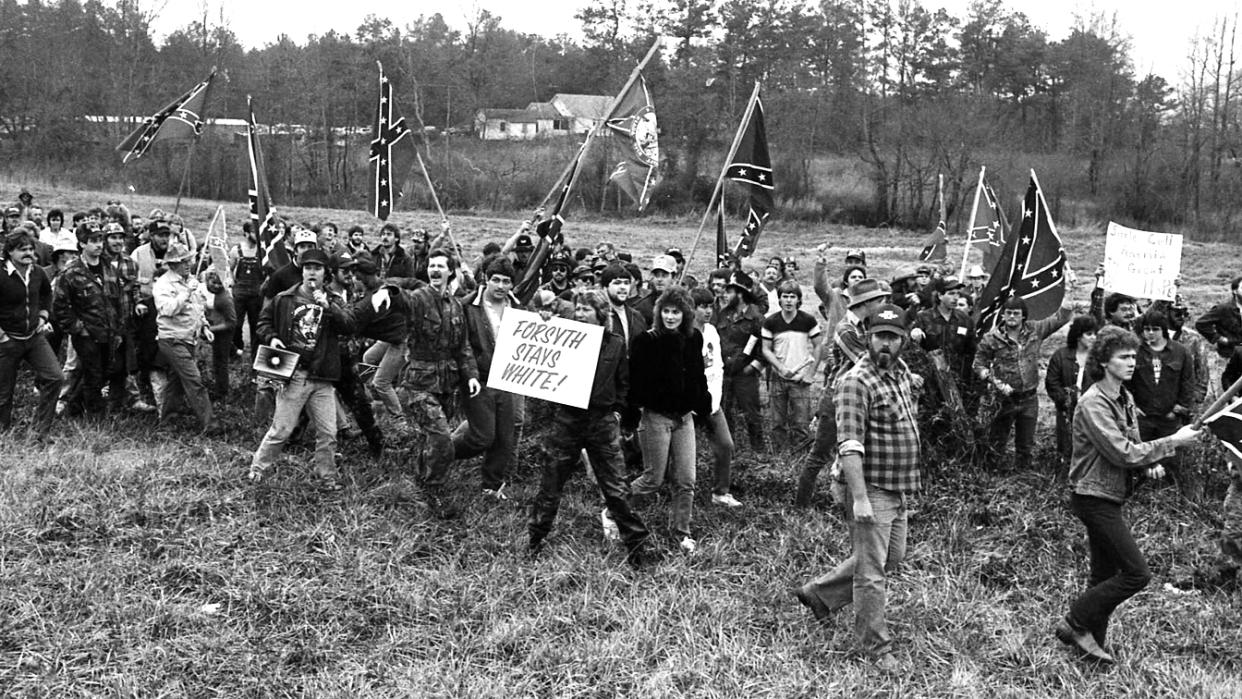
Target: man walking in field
x=440 y=360
x=878 y=434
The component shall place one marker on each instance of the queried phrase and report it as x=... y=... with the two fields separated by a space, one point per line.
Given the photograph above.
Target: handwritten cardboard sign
x=1140 y=263
x=554 y=361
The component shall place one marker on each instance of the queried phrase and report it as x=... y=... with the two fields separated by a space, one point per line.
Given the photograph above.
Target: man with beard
x=849 y=346
x=306 y=320
x=417 y=252
x=391 y=260
x=357 y=240
x=490 y=427
x=25 y=313
x=1008 y=360
x=440 y=360
x=89 y=308
x=952 y=332
x=879 y=451
x=1222 y=324
x=558 y=269
x=626 y=321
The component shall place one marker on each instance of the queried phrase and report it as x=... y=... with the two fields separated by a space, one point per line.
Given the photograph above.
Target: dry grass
x=135 y=562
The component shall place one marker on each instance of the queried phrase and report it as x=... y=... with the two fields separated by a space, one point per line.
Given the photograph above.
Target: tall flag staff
x=632 y=117
x=1031 y=265
x=987 y=226
x=748 y=161
x=935 y=246
x=262 y=213
x=388 y=128
x=180 y=119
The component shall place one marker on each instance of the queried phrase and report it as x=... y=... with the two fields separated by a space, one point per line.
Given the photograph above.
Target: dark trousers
x=489 y=429
x=597 y=431
x=98 y=363
x=221 y=355
x=823 y=450
x=147 y=350
x=741 y=393
x=248 y=307
x=1022 y=416
x=1118 y=569
x=349 y=388
x=1065 y=436
x=38 y=354
x=1157 y=426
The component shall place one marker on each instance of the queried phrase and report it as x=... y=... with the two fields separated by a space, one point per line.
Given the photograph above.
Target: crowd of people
x=392 y=343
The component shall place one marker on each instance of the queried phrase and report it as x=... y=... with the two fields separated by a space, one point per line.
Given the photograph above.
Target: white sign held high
x=1142 y=264
x=553 y=360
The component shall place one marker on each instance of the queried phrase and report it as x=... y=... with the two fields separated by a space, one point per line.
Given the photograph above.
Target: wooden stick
x=719 y=190
x=1219 y=404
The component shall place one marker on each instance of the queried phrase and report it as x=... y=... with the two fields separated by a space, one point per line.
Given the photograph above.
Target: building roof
x=585 y=106
x=544 y=110
x=514 y=116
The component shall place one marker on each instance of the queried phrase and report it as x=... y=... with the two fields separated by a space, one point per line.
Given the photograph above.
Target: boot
x=806 y=487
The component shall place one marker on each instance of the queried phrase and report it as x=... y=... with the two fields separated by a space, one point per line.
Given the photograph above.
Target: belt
x=1020 y=395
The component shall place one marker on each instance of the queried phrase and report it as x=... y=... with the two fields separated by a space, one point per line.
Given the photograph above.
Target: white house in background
x=561 y=116
x=584 y=112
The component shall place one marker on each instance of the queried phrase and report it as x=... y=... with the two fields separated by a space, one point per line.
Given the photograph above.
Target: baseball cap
x=891 y=318
x=664 y=262
x=314 y=256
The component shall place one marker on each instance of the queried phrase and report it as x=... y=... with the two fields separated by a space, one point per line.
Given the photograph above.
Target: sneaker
x=688 y=545
x=255 y=475
x=143 y=407
x=611 y=533
x=498 y=494
x=727 y=500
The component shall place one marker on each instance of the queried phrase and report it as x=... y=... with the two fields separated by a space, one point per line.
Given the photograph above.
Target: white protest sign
x=1140 y=263
x=553 y=360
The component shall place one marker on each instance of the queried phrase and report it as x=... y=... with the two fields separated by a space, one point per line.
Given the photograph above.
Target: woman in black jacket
x=1067 y=378
x=668 y=385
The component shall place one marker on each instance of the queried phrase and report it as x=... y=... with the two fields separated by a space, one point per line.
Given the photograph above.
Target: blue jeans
x=390 y=359
x=1022 y=415
x=668 y=450
x=717 y=428
x=790 y=407
x=879 y=548
x=1118 y=569
x=319 y=399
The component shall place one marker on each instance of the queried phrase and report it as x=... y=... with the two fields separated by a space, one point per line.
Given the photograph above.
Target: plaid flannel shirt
x=877 y=417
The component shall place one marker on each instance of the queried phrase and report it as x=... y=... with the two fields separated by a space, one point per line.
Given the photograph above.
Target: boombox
x=275 y=364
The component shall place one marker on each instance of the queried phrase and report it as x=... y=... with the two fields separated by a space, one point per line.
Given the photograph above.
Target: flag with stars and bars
x=261 y=213
x=389 y=127
x=1226 y=424
x=752 y=165
x=182 y=118
x=1031 y=265
x=936 y=245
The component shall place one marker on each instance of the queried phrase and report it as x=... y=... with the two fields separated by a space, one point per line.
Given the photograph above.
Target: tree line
x=866 y=102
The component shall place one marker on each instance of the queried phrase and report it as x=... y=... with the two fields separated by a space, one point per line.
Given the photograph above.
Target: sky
x=1160 y=32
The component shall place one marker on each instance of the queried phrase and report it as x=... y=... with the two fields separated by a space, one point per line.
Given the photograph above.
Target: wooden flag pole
x=189 y=158
x=435 y=198
x=1219 y=404
x=970 y=227
x=719 y=189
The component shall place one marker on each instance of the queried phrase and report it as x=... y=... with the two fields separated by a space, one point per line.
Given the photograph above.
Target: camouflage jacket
x=90 y=305
x=440 y=359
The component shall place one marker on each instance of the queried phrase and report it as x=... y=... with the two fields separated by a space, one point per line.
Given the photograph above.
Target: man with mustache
x=877 y=424
x=440 y=360
x=25 y=321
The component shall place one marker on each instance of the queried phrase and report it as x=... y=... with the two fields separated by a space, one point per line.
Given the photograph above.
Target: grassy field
x=134 y=561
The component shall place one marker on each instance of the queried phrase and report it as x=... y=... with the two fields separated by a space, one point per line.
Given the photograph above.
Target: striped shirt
x=877 y=418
